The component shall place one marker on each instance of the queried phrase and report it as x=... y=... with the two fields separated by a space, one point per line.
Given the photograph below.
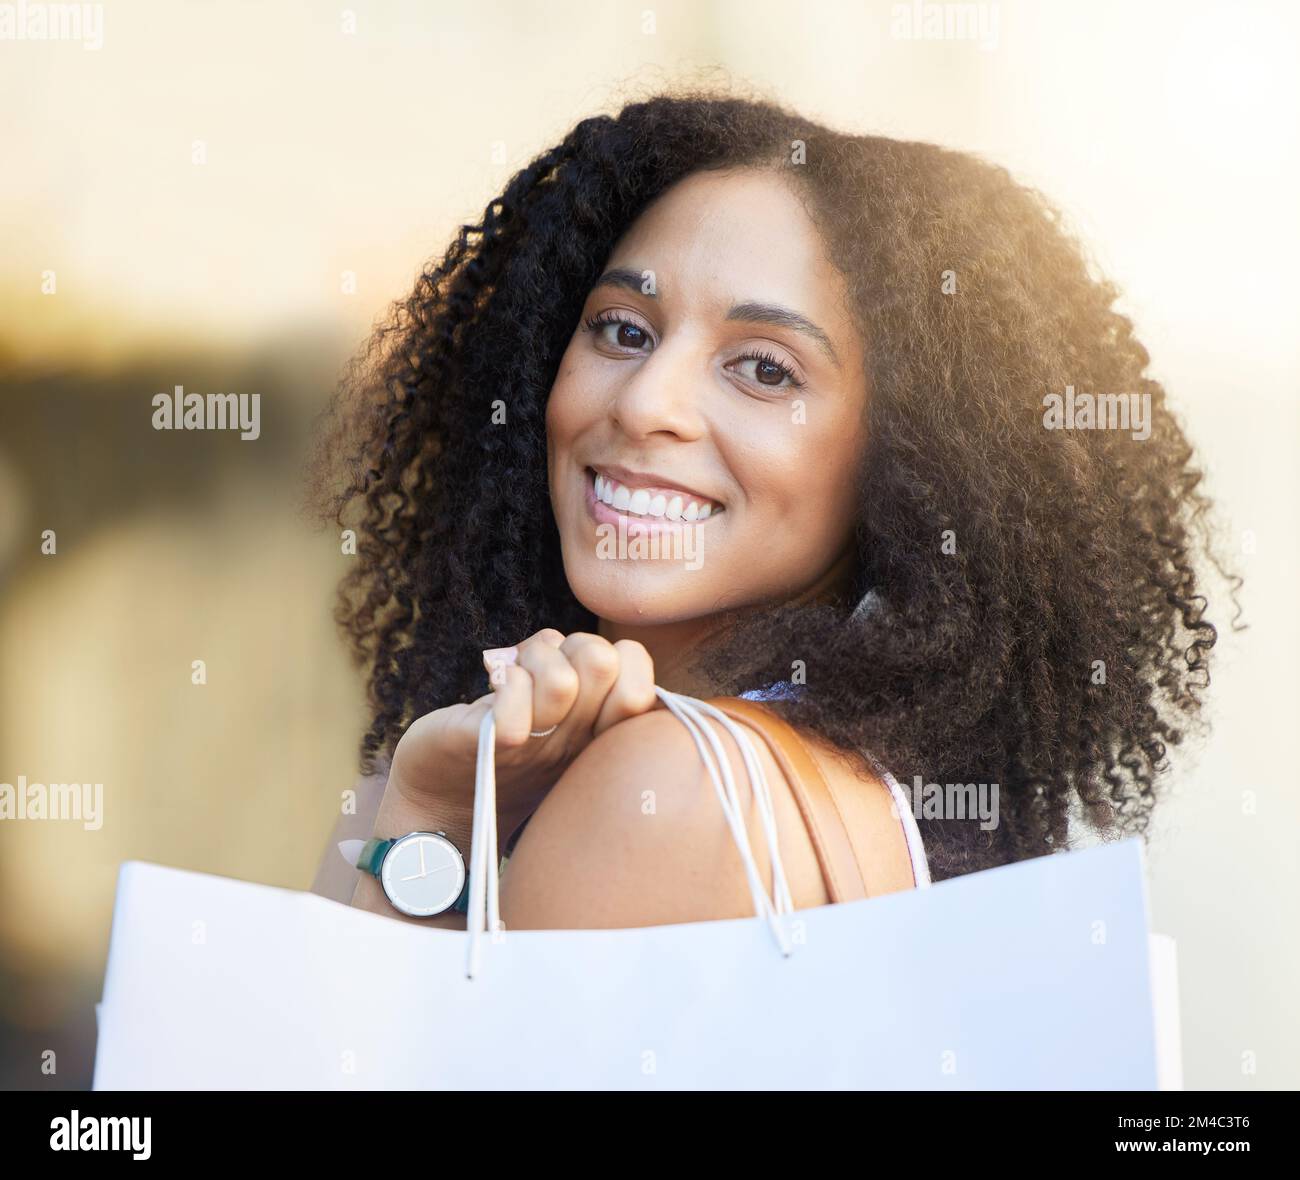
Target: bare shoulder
x=870 y=815
x=633 y=834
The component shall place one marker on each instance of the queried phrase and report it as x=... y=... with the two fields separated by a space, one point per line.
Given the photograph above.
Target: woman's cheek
x=574 y=395
x=814 y=492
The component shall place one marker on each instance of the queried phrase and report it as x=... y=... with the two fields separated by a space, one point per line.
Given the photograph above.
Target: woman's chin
x=641 y=594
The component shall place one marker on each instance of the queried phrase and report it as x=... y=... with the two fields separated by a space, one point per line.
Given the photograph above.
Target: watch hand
x=422 y=869
x=429 y=873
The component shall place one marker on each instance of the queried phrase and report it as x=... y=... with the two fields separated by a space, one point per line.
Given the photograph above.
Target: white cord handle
x=484 y=915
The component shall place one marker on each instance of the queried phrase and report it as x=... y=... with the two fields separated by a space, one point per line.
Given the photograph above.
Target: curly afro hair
x=1026 y=609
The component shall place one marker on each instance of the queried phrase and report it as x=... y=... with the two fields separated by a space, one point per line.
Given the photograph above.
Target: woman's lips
x=650 y=495
x=648 y=487
x=603 y=513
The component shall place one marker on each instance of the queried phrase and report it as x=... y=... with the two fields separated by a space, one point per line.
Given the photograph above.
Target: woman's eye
x=766 y=370
x=620 y=333
x=628 y=335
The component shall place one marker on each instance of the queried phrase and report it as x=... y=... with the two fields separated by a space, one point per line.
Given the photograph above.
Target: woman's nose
x=664 y=393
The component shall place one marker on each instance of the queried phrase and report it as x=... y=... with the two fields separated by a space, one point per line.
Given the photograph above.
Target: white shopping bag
x=1031 y=976
x=1035 y=975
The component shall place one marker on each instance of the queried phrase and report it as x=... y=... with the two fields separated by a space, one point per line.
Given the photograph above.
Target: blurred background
x=224 y=196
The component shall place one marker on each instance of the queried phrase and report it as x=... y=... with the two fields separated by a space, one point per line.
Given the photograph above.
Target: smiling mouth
x=650 y=503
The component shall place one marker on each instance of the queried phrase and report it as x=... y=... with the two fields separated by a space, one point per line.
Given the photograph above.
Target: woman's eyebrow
x=752 y=313
x=783 y=317
x=622 y=276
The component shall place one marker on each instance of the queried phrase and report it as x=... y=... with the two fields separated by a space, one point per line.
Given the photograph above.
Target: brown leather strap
x=812 y=792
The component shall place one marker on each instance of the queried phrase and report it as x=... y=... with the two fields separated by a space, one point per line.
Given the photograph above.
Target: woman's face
x=714 y=392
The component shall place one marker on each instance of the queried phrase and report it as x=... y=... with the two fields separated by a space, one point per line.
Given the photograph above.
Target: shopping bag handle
x=842 y=852
x=484 y=915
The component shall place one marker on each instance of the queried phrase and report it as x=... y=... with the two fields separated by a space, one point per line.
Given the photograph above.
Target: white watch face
x=423 y=874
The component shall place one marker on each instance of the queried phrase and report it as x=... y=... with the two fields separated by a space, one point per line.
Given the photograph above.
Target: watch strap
x=372 y=855
x=461 y=904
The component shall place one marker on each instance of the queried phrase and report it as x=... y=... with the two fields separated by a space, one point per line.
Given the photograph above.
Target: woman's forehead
x=730 y=235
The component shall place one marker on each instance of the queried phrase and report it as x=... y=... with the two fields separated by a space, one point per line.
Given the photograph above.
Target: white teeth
x=644 y=503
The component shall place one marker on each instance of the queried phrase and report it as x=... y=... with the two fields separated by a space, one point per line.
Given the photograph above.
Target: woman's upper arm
x=633 y=834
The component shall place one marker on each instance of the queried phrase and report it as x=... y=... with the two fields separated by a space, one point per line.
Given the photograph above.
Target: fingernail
x=496 y=657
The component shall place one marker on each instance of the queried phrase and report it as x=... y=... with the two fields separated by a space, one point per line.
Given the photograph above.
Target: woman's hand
x=580 y=685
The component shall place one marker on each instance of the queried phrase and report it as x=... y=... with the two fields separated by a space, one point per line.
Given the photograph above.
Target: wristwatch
x=422 y=873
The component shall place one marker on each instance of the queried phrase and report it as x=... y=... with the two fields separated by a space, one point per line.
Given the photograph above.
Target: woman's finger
x=513 y=706
x=547 y=635
x=555 y=683
x=634 y=690
x=596 y=663
x=494 y=656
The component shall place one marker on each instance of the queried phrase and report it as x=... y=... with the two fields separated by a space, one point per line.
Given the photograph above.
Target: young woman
x=851 y=374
